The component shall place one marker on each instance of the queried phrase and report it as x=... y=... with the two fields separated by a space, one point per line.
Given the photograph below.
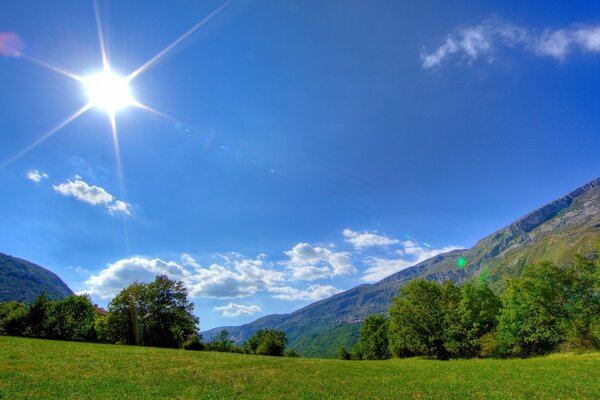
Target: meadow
x=45 y=369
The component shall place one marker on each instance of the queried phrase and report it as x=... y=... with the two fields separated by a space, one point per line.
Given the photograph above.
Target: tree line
x=155 y=314
x=548 y=308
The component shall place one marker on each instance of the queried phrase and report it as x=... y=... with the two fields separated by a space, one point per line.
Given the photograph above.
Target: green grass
x=43 y=369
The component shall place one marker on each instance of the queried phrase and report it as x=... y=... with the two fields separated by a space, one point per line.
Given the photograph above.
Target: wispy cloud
x=236 y=310
x=361 y=240
x=313 y=292
x=307 y=262
x=410 y=254
x=36 y=176
x=93 y=195
x=482 y=41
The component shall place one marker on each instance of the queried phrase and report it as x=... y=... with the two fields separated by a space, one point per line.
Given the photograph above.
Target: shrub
x=194 y=342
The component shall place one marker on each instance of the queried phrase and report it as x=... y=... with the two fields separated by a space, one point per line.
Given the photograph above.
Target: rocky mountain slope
x=553 y=232
x=23 y=281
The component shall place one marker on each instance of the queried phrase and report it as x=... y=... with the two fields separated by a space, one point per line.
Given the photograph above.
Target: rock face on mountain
x=23 y=281
x=553 y=232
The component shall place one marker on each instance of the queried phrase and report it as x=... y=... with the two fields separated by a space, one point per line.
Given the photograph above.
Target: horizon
x=299 y=150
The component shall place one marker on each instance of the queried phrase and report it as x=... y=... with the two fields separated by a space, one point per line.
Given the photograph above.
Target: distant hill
x=554 y=232
x=23 y=281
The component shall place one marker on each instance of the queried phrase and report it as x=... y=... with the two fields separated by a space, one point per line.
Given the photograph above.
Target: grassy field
x=43 y=369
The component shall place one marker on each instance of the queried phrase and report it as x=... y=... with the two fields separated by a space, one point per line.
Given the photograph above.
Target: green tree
x=344 y=354
x=169 y=318
x=417 y=320
x=471 y=312
x=550 y=306
x=154 y=314
x=37 y=316
x=222 y=342
x=373 y=342
x=124 y=320
x=267 y=342
x=13 y=318
x=72 y=319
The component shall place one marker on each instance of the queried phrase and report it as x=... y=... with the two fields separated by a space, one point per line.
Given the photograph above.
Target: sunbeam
x=154 y=111
x=180 y=39
x=53 y=67
x=46 y=136
x=105 y=64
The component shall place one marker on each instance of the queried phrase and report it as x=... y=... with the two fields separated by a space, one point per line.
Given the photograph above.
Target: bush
x=291 y=353
x=488 y=345
x=194 y=342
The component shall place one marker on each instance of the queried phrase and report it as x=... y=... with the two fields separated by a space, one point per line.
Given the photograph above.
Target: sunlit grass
x=42 y=369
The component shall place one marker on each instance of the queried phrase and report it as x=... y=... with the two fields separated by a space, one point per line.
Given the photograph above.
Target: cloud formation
x=410 y=254
x=236 y=310
x=93 y=195
x=309 y=263
x=36 y=176
x=467 y=44
x=237 y=277
x=361 y=240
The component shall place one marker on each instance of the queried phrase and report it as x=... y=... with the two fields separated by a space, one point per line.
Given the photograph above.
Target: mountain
x=23 y=281
x=554 y=232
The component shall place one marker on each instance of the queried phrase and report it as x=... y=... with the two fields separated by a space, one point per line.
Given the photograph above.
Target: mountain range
x=554 y=232
x=23 y=281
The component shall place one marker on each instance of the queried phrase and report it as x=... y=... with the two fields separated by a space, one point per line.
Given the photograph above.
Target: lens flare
x=11 y=44
x=461 y=262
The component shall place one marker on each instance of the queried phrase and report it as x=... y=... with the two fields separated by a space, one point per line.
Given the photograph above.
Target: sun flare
x=108 y=91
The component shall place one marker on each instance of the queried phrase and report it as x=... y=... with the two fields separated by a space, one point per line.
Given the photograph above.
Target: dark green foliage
x=13 y=318
x=442 y=321
x=291 y=353
x=373 y=343
x=154 y=314
x=416 y=320
x=23 y=281
x=222 y=342
x=470 y=313
x=267 y=342
x=551 y=306
x=37 y=317
x=71 y=319
x=194 y=342
x=344 y=354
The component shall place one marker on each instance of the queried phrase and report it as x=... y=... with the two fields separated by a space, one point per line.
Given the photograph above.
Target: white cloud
x=361 y=240
x=93 y=195
x=483 y=40
x=36 y=176
x=239 y=277
x=313 y=292
x=236 y=310
x=410 y=254
x=307 y=262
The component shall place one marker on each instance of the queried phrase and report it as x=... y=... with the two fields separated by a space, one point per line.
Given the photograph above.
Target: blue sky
x=309 y=146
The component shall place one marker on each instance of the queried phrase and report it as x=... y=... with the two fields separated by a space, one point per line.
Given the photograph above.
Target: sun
x=108 y=91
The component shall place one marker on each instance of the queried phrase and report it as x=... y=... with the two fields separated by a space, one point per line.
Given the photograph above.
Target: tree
x=416 y=320
x=169 y=320
x=267 y=342
x=194 y=342
x=72 y=319
x=344 y=354
x=470 y=313
x=37 y=316
x=550 y=306
x=124 y=320
x=13 y=318
x=154 y=314
x=373 y=342
x=222 y=342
